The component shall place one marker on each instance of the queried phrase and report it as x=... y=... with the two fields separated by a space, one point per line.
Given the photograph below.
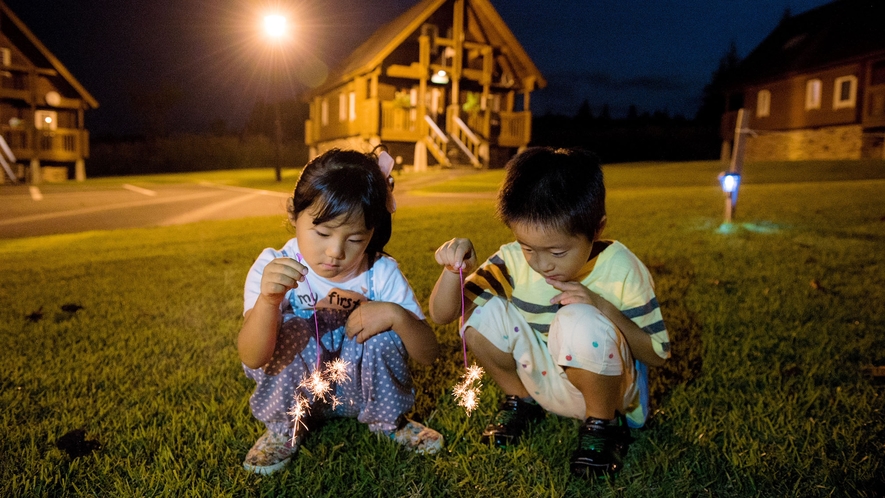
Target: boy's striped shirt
x=615 y=273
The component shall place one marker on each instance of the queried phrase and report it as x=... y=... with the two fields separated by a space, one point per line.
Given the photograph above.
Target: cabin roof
x=386 y=39
x=835 y=33
x=49 y=58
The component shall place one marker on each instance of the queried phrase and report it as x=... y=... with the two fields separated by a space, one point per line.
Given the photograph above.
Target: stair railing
x=7 y=158
x=468 y=141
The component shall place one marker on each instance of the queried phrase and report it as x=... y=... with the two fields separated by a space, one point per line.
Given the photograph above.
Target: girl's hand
x=574 y=292
x=279 y=276
x=457 y=254
x=370 y=319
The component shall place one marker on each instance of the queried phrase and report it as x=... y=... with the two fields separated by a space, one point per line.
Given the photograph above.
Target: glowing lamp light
x=440 y=77
x=275 y=25
x=730 y=182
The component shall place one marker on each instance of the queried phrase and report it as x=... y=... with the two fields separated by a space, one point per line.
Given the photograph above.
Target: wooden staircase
x=461 y=148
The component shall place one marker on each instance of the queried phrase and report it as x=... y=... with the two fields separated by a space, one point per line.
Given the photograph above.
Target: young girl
x=334 y=280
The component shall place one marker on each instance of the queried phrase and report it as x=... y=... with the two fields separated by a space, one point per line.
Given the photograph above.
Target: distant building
x=41 y=107
x=445 y=83
x=815 y=87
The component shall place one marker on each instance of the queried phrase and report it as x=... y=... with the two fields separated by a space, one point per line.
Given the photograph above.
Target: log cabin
x=445 y=84
x=42 y=109
x=814 y=88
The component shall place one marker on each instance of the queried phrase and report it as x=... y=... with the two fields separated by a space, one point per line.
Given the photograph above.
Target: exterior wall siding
x=832 y=142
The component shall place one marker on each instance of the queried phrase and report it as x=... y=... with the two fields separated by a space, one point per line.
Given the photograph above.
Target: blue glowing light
x=730 y=182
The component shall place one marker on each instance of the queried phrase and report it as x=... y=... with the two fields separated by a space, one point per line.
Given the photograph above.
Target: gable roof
x=835 y=33
x=49 y=58
x=386 y=39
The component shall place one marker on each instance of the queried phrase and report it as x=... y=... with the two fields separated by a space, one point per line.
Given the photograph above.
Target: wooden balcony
x=63 y=144
x=516 y=129
x=399 y=124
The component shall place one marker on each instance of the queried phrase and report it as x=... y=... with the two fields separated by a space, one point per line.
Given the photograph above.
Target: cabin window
x=352 y=106
x=46 y=120
x=812 y=94
x=6 y=56
x=342 y=107
x=845 y=92
x=763 y=103
x=324 y=112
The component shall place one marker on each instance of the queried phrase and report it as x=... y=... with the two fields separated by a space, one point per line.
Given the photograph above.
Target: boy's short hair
x=561 y=189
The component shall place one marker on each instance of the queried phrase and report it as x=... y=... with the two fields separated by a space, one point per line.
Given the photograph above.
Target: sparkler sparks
x=467 y=391
x=317 y=384
x=337 y=370
x=299 y=410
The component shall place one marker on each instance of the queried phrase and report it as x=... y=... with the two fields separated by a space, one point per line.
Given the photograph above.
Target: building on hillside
x=815 y=87
x=42 y=108
x=445 y=83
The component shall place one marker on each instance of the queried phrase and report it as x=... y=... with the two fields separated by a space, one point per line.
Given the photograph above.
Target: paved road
x=70 y=208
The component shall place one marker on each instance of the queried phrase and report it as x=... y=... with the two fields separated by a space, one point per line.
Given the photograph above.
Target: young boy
x=561 y=320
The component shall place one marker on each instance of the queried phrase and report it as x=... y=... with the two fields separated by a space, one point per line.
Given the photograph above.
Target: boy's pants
x=579 y=337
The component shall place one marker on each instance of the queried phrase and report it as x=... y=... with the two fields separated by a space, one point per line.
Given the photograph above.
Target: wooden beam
x=413 y=71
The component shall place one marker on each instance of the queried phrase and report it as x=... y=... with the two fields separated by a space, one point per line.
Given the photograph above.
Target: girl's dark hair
x=346 y=182
x=561 y=189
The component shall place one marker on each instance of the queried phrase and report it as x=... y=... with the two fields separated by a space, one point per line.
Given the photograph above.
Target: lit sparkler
x=467 y=391
x=299 y=410
x=320 y=383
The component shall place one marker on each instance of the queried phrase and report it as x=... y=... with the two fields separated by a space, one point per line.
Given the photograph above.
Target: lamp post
x=731 y=180
x=276 y=28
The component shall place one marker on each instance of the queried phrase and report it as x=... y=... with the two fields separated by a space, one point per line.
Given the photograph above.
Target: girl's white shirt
x=389 y=284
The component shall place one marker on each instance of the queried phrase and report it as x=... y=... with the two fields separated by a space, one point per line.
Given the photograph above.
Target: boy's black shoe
x=602 y=446
x=512 y=418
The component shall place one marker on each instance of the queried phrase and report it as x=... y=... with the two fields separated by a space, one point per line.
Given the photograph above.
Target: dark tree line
x=644 y=135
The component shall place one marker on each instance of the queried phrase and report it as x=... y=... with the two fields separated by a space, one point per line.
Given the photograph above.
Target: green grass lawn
x=772 y=319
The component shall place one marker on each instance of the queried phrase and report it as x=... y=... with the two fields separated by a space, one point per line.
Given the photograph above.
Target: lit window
x=352 y=106
x=763 y=103
x=845 y=92
x=812 y=94
x=324 y=112
x=6 y=56
x=342 y=107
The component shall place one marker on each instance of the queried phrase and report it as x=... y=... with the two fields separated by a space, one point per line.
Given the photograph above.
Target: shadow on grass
x=672 y=281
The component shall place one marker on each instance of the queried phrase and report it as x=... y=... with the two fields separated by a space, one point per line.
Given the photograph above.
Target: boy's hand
x=279 y=276
x=457 y=254
x=574 y=292
x=370 y=319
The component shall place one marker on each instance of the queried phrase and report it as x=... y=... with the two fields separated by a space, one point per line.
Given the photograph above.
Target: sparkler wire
x=461 y=323
x=315 y=319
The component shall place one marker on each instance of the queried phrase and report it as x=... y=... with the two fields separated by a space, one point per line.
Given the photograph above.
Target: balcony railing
x=398 y=123
x=63 y=144
x=516 y=129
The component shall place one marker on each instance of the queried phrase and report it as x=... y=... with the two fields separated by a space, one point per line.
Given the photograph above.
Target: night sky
x=655 y=54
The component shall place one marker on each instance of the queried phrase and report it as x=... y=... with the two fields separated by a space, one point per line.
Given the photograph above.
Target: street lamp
x=276 y=28
x=275 y=25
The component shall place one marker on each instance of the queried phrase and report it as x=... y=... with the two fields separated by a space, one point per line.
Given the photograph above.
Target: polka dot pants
x=379 y=389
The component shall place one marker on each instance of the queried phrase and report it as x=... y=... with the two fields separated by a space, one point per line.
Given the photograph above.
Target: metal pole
x=278 y=140
x=737 y=161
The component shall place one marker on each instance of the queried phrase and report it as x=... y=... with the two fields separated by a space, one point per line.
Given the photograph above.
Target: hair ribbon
x=385 y=164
